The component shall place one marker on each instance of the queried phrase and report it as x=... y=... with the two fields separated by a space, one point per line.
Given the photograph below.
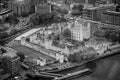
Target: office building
x=43 y=8
x=116 y=1
x=12 y=65
x=95 y=13
x=35 y=2
x=4 y=14
x=20 y=7
x=111 y=17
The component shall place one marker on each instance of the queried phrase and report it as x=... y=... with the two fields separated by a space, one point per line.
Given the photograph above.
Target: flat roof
x=5 y=11
x=99 y=7
x=30 y=32
x=115 y=12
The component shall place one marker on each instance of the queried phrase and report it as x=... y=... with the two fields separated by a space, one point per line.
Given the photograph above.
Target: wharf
x=75 y=74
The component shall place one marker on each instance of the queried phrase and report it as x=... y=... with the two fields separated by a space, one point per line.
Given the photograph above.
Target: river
x=106 y=69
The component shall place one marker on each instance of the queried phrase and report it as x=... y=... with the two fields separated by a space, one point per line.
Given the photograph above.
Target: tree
x=77 y=9
x=3 y=50
x=67 y=34
x=99 y=33
x=71 y=58
x=56 y=40
x=24 y=15
x=13 y=31
x=21 y=55
x=12 y=19
x=3 y=35
x=113 y=36
x=35 y=19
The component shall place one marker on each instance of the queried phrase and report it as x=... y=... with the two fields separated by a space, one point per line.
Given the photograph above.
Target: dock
x=45 y=75
x=73 y=75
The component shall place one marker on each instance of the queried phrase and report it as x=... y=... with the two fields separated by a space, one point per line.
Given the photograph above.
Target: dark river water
x=106 y=69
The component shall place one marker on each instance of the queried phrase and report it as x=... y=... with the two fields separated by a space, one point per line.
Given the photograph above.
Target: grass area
x=32 y=53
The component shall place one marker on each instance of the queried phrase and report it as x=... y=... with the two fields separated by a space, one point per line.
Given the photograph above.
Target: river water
x=106 y=69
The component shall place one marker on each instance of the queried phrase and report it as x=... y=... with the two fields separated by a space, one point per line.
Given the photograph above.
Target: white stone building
x=80 y=32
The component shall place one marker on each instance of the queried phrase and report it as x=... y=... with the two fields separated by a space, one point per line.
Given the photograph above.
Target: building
x=95 y=13
x=10 y=61
x=4 y=14
x=81 y=31
x=116 y=1
x=60 y=8
x=43 y=8
x=111 y=17
x=77 y=33
x=99 y=44
x=4 y=3
x=36 y=2
x=20 y=7
x=59 y=1
x=12 y=65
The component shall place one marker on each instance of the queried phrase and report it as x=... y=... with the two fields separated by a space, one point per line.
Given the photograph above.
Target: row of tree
x=108 y=34
x=77 y=9
x=44 y=18
x=12 y=19
x=5 y=34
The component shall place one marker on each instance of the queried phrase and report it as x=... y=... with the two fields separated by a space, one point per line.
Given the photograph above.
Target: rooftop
x=113 y=12
x=99 y=7
x=30 y=32
x=21 y=1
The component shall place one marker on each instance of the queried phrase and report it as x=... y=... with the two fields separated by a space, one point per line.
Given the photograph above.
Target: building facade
x=95 y=13
x=111 y=17
x=43 y=8
x=4 y=14
x=81 y=31
x=12 y=65
x=20 y=7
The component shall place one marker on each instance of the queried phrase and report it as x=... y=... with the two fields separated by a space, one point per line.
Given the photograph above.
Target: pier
x=73 y=75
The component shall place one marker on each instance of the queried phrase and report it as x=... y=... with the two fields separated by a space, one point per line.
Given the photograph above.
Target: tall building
x=43 y=8
x=111 y=17
x=116 y=1
x=95 y=13
x=12 y=65
x=20 y=7
x=4 y=14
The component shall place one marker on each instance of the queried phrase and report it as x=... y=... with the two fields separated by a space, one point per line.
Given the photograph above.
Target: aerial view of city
x=59 y=40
